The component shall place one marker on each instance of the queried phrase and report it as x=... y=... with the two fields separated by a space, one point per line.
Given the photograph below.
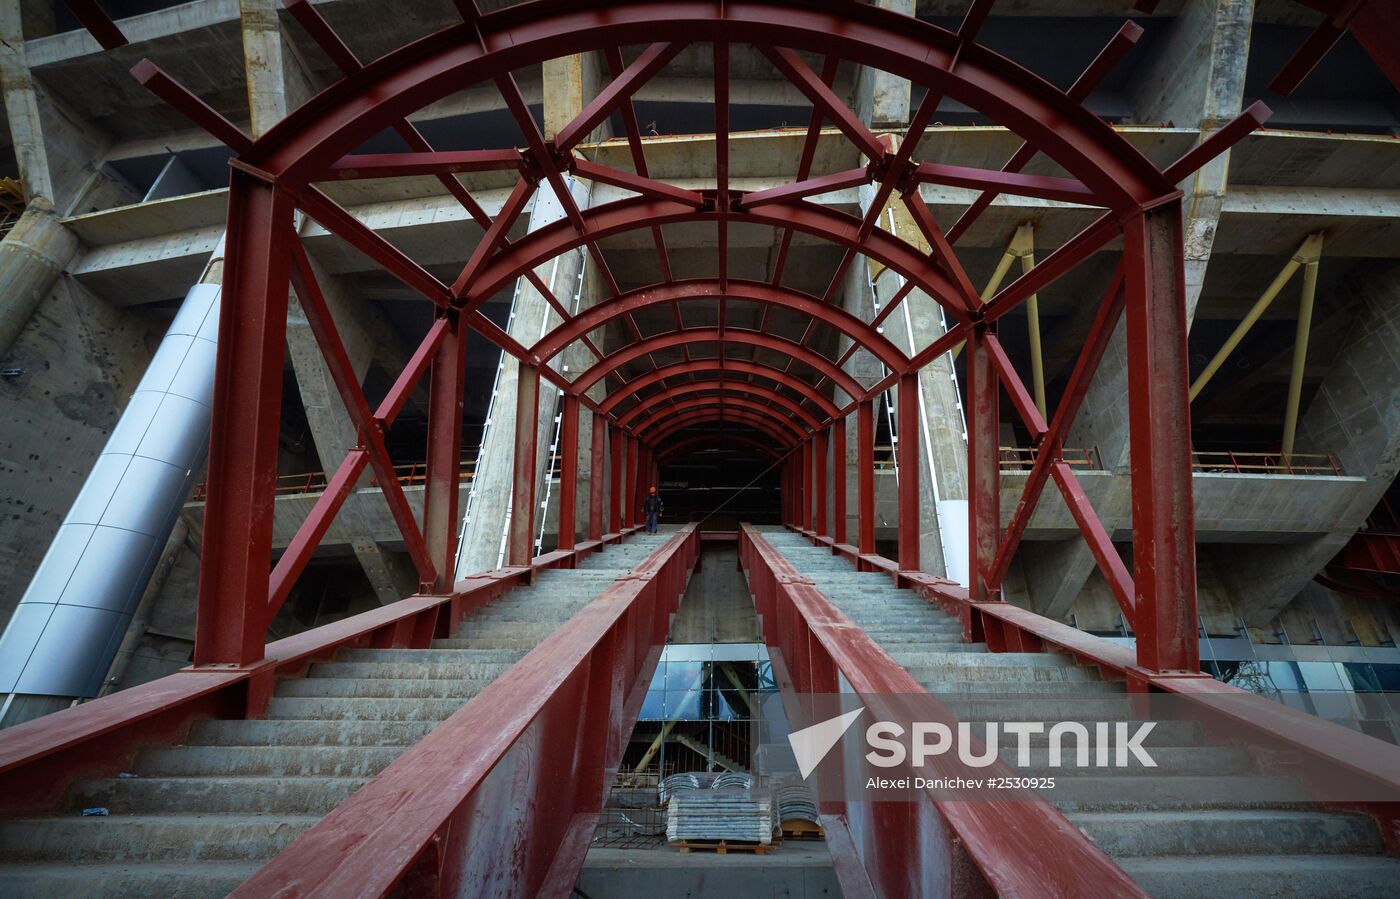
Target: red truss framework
x=778 y=407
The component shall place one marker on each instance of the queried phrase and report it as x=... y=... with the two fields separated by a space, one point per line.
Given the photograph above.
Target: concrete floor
x=717 y=607
x=798 y=870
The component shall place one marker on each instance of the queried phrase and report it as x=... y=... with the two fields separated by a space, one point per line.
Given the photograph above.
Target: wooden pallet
x=723 y=847
x=797 y=829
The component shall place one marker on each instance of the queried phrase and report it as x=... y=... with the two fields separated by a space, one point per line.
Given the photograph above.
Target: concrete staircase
x=710 y=754
x=197 y=820
x=1206 y=834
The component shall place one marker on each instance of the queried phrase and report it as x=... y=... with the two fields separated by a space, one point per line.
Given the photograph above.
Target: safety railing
x=814 y=642
x=40 y=759
x=1013 y=458
x=1266 y=463
x=1022 y=458
x=1322 y=745
x=552 y=727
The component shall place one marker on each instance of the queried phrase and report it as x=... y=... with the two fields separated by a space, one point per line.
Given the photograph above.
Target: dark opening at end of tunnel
x=721 y=485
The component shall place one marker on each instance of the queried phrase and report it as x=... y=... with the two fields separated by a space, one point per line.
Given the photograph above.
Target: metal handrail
x=409 y=475
x=1266 y=463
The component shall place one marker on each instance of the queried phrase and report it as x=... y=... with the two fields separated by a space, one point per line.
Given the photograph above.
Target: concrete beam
x=1355 y=416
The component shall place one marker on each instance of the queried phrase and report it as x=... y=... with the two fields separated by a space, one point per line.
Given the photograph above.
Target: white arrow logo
x=811 y=744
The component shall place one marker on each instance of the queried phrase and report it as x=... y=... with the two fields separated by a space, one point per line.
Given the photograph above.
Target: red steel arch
x=635 y=351
x=659 y=404
x=722 y=367
x=659 y=417
x=787 y=435
x=709 y=289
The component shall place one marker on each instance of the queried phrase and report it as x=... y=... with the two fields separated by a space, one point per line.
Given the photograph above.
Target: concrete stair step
x=146 y=838
x=325 y=708
x=308 y=733
x=1010 y=661
x=410 y=670
x=1172 y=761
x=1135 y=793
x=174 y=880
x=960 y=682
x=1049 y=707
x=462 y=656
x=266 y=761
x=521 y=644
x=1166 y=733
x=968 y=669
x=1230 y=832
x=1274 y=876
x=208 y=795
x=383 y=688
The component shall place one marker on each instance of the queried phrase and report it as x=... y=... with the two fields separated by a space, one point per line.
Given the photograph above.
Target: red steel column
x=1159 y=429
x=838 y=480
x=984 y=467
x=865 y=476
x=809 y=503
x=819 y=481
x=522 y=514
x=908 y=449
x=237 y=547
x=444 y=467
x=615 y=491
x=596 y=476
x=629 y=514
x=568 y=475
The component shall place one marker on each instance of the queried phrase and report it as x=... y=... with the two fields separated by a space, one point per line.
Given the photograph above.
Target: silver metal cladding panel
x=71 y=619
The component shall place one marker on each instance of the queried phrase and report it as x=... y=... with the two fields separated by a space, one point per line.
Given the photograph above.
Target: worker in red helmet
x=652 y=506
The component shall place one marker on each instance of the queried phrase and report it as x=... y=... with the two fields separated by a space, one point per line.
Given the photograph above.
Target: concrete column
x=531 y=319
x=276 y=79
x=882 y=99
x=1195 y=79
x=1354 y=415
x=58 y=158
x=939 y=428
x=569 y=83
x=32 y=256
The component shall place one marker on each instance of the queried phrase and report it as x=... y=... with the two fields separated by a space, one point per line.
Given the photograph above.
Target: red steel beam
x=639 y=159
x=619 y=90
x=804 y=166
x=437 y=162
x=100 y=25
x=819 y=449
x=1100 y=332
